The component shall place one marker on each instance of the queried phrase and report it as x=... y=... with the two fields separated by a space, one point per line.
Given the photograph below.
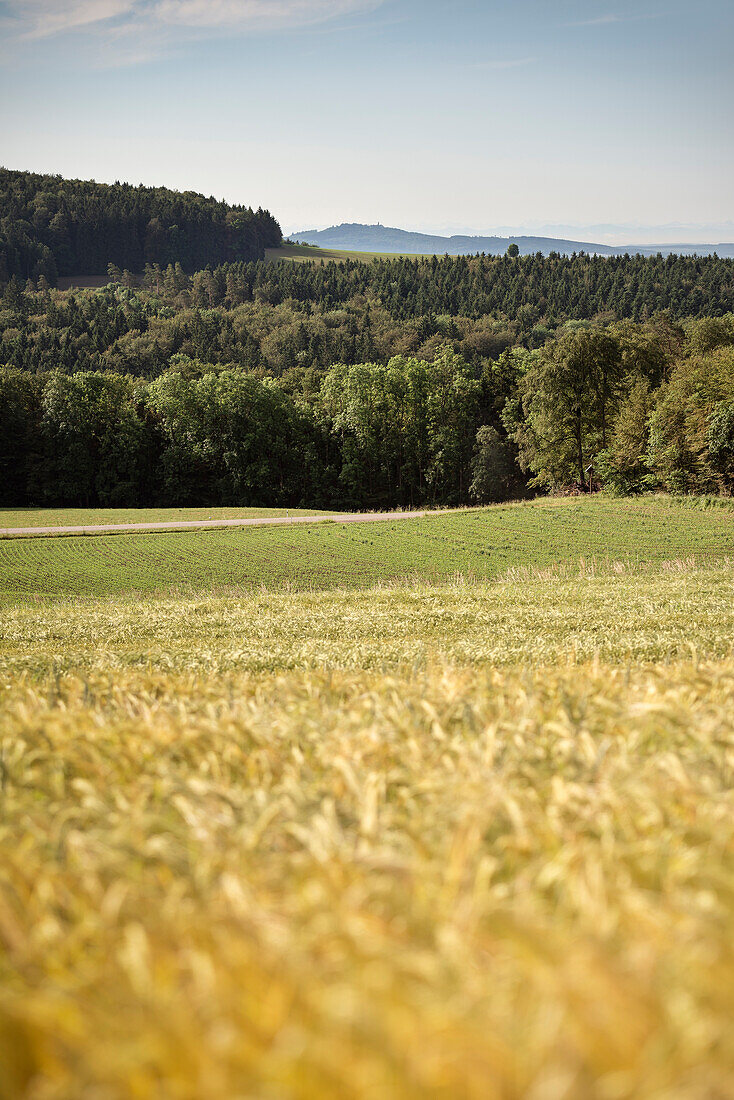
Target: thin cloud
x=506 y=63
x=496 y=65
x=44 y=18
x=600 y=21
x=610 y=18
x=35 y=19
x=254 y=14
x=360 y=26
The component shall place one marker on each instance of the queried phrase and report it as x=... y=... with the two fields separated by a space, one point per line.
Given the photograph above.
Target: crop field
x=477 y=544
x=83 y=517
x=670 y=612
x=470 y=840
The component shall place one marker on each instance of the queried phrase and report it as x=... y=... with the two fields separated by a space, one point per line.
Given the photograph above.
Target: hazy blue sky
x=417 y=113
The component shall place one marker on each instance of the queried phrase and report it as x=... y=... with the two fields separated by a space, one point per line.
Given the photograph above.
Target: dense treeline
x=137 y=332
x=50 y=226
x=527 y=289
x=532 y=291
x=401 y=382
x=616 y=409
x=628 y=406
x=255 y=315
x=372 y=435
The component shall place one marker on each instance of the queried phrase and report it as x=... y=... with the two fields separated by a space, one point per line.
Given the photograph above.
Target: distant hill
x=355 y=237
x=54 y=227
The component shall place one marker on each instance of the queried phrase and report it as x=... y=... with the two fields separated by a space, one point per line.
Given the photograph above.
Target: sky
x=549 y=116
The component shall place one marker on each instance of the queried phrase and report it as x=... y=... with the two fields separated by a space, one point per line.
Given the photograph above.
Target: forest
x=529 y=289
x=214 y=377
x=274 y=318
x=624 y=405
x=50 y=226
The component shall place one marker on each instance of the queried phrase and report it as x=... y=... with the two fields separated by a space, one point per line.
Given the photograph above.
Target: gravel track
x=182 y=525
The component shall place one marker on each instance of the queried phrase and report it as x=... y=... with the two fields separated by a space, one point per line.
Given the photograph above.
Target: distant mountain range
x=353 y=237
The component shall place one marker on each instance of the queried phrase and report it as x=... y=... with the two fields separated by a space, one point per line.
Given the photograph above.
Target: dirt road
x=199 y=524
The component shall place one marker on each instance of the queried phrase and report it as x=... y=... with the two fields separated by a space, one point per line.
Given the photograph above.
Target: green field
x=304 y=253
x=83 y=517
x=479 y=544
x=467 y=833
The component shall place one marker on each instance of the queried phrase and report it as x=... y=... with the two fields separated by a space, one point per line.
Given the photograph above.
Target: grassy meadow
x=397 y=828
x=481 y=544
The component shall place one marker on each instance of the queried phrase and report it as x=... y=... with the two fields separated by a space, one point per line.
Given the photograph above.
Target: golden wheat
x=225 y=877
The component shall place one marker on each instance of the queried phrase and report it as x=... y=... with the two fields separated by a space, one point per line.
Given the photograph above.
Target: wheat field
x=467 y=841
